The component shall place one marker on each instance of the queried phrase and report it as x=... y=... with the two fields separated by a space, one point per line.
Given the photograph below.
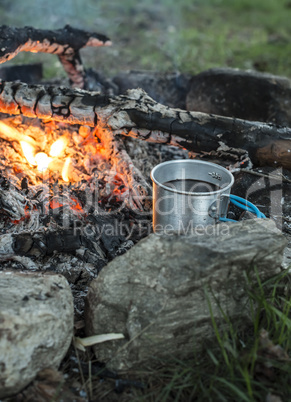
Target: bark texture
x=36 y=326
x=155 y=294
x=137 y=115
x=65 y=43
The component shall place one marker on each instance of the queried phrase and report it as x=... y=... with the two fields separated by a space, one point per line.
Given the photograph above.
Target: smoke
x=143 y=33
x=48 y=14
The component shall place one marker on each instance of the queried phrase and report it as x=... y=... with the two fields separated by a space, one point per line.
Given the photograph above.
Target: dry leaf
x=81 y=343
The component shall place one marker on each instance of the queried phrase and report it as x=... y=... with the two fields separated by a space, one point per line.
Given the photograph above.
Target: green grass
x=236 y=366
x=243 y=362
x=166 y=35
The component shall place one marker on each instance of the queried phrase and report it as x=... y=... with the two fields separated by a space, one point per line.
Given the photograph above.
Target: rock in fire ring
x=36 y=326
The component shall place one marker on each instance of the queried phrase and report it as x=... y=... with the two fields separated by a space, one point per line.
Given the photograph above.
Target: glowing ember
x=42 y=161
x=66 y=169
x=28 y=151
x=58 y=147
x=55 y=204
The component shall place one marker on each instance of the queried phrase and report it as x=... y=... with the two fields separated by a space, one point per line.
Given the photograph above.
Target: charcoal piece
x=23 y=244
x=24 y=184
x=109 y=231
x=45 y=243
x=65 y=241
x=111 y=244
x=12 y=201
x=94 y=258
x=124 y=247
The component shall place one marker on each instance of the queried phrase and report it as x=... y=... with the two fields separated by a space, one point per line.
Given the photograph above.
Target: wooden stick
x=65 y=43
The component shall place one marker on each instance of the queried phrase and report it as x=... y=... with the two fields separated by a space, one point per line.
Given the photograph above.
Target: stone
x=36 y=326
x=29 y=73
x=155 y=294
x=248 y=95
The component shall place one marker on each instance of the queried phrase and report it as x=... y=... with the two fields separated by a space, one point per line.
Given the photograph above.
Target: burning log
x=65 y=43
x=137 y=115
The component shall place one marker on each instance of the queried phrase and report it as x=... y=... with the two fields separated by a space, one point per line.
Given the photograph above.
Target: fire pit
x=75 y=190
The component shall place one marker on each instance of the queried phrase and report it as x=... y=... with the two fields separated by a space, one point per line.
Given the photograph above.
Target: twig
x=80 y=367
x=267 y=176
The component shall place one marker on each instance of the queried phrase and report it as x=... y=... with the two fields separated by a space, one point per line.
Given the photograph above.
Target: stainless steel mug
x=188 y=193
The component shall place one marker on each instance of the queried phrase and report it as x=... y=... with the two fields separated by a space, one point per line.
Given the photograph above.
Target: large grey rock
x=155 y=293
x=249 y=95
x=36 y=326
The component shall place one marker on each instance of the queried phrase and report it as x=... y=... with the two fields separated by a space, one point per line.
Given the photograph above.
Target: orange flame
x=10 y=133
x=76 y=206
x=58 y=147
x=30 y=148
x=28 y=151
x=42 y=161
x=65 y=170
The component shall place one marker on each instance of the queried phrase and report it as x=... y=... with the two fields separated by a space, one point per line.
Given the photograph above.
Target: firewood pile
x=75 y=194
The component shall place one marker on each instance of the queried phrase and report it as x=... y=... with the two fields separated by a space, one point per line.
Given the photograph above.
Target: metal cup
x=188 y=193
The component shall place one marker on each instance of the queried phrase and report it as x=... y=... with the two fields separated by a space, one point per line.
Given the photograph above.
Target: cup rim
x=191 y=161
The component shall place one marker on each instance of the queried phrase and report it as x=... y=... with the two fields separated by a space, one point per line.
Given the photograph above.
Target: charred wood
x=137 y=115
x=45 y=243
x=12 y=202
x=65 y=43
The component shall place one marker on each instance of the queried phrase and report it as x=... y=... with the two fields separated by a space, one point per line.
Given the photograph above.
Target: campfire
x=62 y=179
x=70 y=181
x=75 y=190
x=50 y=153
